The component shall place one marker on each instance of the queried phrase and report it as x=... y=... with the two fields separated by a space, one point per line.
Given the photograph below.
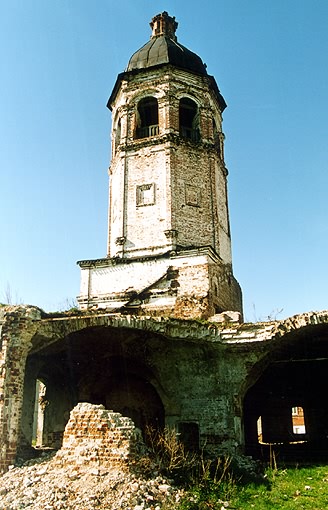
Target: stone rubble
x=101 y=465
x=40 y=484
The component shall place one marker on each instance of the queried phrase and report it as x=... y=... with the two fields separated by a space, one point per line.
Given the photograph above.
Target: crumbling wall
x=96 y=437
x=199 y=373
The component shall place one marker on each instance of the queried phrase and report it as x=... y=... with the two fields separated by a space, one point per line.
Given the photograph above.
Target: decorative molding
x=145 y=194
x=192 y=195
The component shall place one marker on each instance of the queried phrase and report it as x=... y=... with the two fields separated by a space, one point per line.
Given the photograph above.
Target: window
x=189 y=435
x=147 y=118
x=259 y=429
x=215 y=286
x=189 y=120
x=39 y=408
x=117 y=135
x=216 y=137
x=298 y=420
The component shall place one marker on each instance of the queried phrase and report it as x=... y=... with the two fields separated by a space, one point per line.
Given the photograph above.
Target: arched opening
x=189 y=120
x=126 y=389
x=284 y=410
x=96 y=365
x=147 y=118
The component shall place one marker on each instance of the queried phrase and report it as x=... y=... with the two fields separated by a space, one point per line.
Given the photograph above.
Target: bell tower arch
x=168 y=206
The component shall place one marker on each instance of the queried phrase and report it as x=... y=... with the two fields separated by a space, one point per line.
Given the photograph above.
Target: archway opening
x=284 y=410
x=95 y=365
x=189 y=120
x=147 y=118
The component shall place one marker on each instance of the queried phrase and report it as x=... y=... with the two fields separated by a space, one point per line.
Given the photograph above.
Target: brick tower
x=169 y=246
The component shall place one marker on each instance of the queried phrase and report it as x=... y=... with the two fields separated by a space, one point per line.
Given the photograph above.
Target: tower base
x=191 y=283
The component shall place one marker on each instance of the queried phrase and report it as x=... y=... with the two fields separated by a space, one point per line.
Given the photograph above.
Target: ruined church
x=159 y=334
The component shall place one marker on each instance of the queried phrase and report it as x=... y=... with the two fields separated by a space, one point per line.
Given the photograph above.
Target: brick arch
x=93 y=363
x=51 y=329
x=187 y=95
x=135 y=97
x=276 y=338
x=128 y=387
x=291 y=373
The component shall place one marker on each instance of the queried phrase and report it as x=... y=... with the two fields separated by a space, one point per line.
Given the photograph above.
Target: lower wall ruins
x=226 y=387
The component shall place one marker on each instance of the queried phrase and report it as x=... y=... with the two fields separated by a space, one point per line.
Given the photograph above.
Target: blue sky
x=59 y=61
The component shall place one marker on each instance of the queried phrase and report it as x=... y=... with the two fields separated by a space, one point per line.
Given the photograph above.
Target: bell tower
x=169 y=247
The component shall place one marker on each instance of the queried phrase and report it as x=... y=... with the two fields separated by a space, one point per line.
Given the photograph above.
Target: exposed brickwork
x=97 y=437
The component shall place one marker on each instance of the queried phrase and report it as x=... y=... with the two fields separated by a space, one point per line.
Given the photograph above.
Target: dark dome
x=163 y=48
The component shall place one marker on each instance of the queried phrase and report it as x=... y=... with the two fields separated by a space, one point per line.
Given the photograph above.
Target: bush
x=208 y=483
x=169 y=454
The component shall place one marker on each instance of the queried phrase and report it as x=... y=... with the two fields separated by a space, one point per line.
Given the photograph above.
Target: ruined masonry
x=96 y=437
x=159 y=339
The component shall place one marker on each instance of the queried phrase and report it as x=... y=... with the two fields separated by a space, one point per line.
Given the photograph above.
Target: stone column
x=17 y=327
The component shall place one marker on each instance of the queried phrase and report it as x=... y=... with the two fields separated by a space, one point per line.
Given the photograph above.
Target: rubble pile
x=42 y=485
x=100 y=466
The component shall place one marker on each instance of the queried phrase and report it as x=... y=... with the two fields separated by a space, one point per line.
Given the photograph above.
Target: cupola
x=163 y=48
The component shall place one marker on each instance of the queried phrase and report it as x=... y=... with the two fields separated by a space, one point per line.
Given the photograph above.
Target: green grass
x=295 y=488
x=288 y=489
